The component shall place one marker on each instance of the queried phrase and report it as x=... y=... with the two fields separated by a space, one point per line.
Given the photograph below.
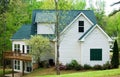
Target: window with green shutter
x=95 y=54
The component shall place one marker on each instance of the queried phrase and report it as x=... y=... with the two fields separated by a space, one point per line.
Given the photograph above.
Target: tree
x=115 y=11
x=115 y=57
x=39 y=45
x=98 y=8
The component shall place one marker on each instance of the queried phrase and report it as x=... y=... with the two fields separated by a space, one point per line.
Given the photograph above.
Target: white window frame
x=28 y=48
x=17 y=47
x=17 y=64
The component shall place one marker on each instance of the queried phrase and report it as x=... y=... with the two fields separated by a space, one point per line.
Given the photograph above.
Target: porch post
x=3 y=63
x=23 y=66
x=12 y=61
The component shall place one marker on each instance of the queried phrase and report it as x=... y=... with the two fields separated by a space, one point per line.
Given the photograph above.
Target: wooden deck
x=17 y=56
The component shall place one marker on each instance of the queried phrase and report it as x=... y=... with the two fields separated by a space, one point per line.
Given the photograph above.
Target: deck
x=17 y=56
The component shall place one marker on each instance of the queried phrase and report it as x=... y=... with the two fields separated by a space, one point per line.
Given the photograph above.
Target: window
x=28 y=67
x=17 y=47
x=95 y=54
x=28 y=48
x=81 y=26
x=23 y=48
x=17 y=65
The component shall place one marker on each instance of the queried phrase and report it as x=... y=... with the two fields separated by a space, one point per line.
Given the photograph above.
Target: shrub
x=69 y=67
x=86 y=66
x=115 y=57
x=107 y=65
x=73 y=65
x=97 y=67
x=78 y=67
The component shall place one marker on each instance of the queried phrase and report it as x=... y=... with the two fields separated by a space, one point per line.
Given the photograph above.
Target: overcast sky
x=109 y=8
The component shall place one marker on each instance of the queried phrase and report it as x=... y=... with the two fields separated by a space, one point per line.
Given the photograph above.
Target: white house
x=81 y=38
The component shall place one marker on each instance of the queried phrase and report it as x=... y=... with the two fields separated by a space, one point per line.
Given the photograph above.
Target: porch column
x=12 y=62
x=23 y=67
x=3 y=63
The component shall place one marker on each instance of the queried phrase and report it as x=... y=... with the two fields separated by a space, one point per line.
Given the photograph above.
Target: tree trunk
x=57 y=35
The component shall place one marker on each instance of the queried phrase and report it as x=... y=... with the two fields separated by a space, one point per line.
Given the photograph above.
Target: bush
x=86 y=66
x=73 y=65
x=69 y=67
x=97 y=67
x=106 y=66
x=78 y=67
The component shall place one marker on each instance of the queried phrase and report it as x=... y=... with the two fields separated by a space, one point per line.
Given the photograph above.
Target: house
x=81 y=38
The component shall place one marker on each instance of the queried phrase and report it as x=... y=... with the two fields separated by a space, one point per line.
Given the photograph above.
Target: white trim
x=109 y=39
x=75 y=20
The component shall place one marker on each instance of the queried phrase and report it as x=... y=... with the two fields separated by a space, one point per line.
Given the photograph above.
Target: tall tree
x=115 y=57
x=98 y=7
x=62 y=5
x=113 y=26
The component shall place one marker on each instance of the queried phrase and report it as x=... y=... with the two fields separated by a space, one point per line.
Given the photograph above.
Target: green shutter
x=95 y=54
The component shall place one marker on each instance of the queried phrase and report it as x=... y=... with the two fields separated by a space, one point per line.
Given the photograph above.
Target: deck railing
x=17 y=56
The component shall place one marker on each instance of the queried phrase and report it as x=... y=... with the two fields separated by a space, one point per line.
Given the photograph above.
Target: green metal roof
x=38 y=16
x=23 y=33
x=65 y=16
x=45 y=17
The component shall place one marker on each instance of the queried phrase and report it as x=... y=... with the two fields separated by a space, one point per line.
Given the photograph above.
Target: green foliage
x=112 y=26
x=107 y=65
x=115 y=57
x=39 y=45
x=63 y=4
x=73 y=65
x=86 y=67
x=97 y=67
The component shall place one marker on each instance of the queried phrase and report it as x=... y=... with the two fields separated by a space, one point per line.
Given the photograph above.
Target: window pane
x=81 y=29
x=95 y=54
x=18 y=46
x=23 y=49
x=81 y=23
x=14 y=46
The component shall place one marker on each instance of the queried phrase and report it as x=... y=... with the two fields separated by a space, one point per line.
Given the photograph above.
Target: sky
x=109 y=8
x=108 y=3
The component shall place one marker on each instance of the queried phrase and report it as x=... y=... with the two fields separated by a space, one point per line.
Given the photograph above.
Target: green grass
x=50 y=72
x=102 y=73
x=7 y=71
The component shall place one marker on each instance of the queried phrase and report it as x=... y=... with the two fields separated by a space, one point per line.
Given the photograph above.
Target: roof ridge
x=58 y=10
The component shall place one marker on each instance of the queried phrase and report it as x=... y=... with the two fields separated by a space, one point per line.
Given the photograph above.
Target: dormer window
x=81 y=26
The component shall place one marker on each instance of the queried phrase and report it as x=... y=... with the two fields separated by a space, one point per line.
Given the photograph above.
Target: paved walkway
x=15 y=75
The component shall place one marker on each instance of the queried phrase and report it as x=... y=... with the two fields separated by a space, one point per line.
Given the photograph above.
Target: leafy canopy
x=39 y=45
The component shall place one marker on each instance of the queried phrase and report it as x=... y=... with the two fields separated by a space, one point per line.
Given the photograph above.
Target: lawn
x=71 y=73
x=105 y=73
x=6 y=71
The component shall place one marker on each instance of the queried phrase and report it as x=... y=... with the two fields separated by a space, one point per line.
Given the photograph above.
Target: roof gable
x=65 y=16
x=82 y=38
x=76 y=19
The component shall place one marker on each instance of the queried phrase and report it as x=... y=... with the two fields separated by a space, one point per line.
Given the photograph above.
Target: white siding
x=44 y=28
x=45 y=56
x=96 y=39
x=18 y=42
x=69 y=44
